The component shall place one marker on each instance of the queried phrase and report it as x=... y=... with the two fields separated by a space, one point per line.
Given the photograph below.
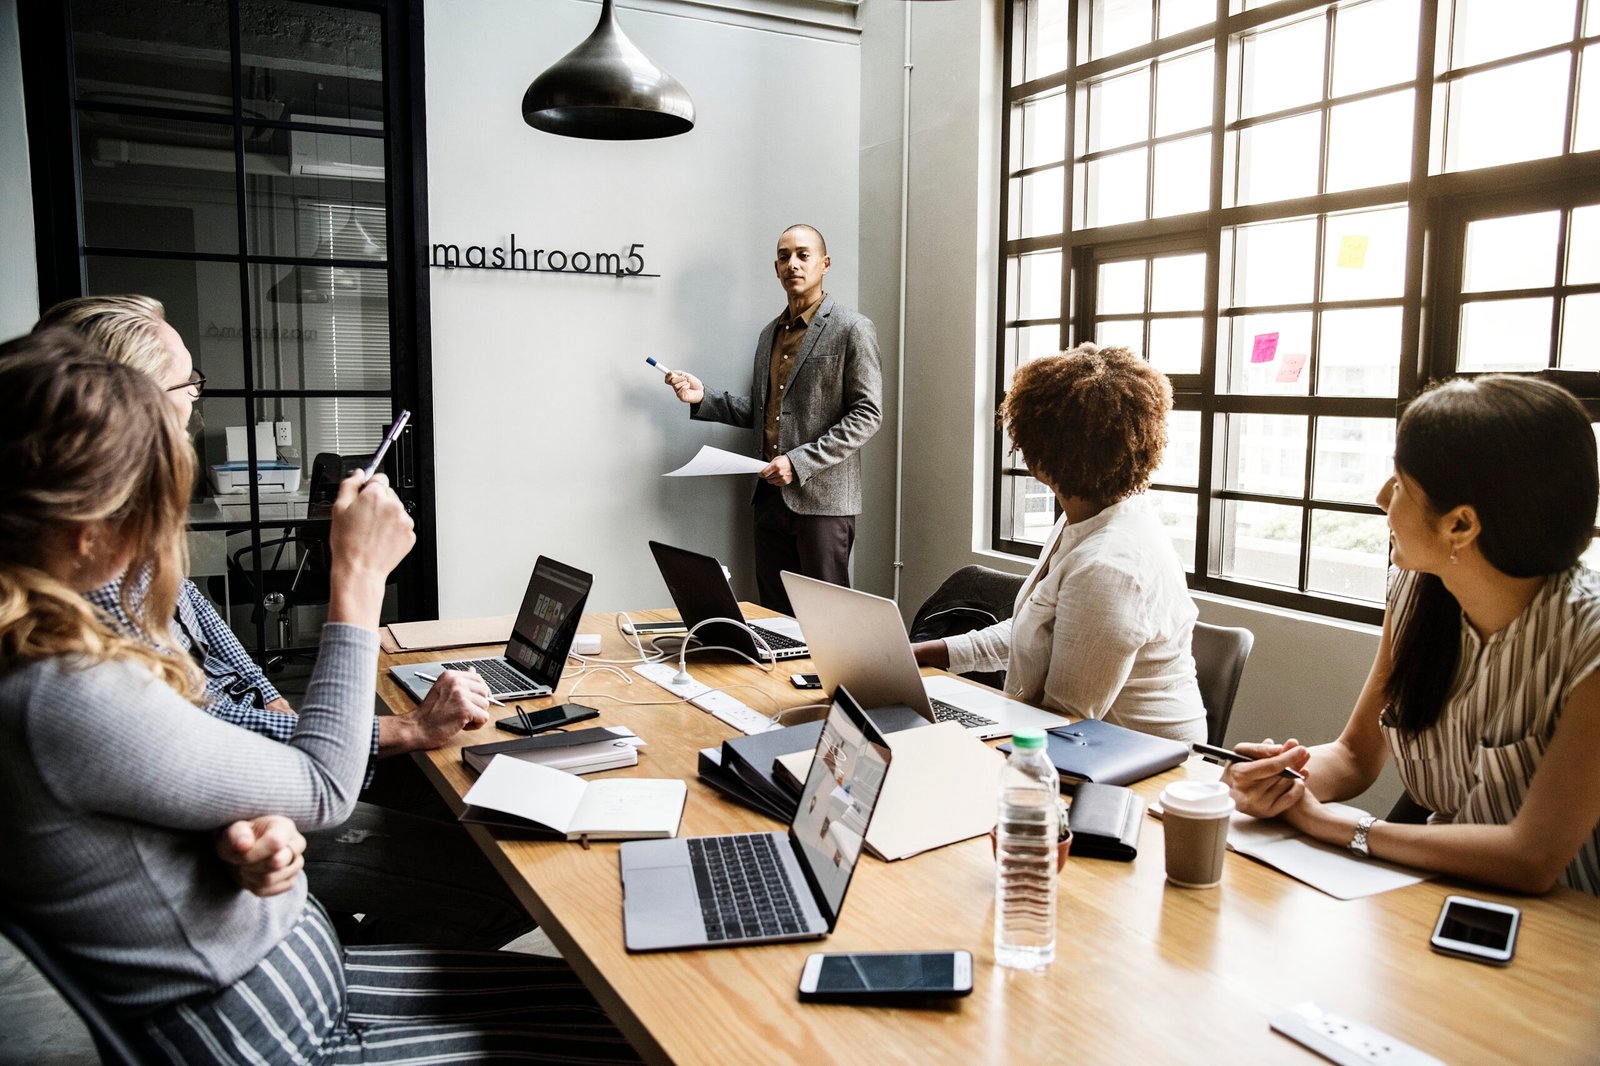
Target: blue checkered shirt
x=238 y=689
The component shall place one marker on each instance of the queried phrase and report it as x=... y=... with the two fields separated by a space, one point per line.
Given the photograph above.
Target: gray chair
x=109 y=1040
x=1219 y=656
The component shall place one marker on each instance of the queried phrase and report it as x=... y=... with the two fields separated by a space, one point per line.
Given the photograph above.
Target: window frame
x=1438 y=207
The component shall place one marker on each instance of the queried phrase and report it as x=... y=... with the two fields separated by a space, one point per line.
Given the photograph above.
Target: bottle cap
x=1028 y=740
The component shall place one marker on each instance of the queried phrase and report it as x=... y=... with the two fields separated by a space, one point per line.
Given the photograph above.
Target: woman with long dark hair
x=1484 y=687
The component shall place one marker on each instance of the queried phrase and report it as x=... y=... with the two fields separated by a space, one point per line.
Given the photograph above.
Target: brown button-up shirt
x=786 y=340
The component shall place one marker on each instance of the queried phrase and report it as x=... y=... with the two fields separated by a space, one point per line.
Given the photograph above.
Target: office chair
x=974 y=597
x=1219 y=656
x=109 y=1041
x=306 y=582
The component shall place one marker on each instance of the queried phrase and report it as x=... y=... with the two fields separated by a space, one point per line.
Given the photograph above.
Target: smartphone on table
x=1477 y=929
x=805 y=680
x=865 y=976
x=549 y=718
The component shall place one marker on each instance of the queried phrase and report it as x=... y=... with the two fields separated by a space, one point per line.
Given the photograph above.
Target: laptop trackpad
x=661 y=889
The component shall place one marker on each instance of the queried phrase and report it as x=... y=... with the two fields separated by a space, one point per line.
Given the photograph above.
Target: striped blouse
x=1476 y=763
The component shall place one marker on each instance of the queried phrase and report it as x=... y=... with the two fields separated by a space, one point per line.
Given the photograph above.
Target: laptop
x=537 y=651
x=859 y=641
x=757 y=888
x=700 y=590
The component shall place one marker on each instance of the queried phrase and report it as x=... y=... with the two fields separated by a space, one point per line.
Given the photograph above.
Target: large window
x=1300 y=212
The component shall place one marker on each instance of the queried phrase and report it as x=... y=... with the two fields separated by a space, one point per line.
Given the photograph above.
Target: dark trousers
x=814 y=545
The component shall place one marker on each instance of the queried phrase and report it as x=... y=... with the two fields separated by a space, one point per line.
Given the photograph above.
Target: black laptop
x=700 y=590
x=537 y=651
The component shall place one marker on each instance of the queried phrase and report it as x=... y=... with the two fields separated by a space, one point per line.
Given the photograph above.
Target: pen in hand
x=652 y=361
x=435 y=677
x=1226 y=755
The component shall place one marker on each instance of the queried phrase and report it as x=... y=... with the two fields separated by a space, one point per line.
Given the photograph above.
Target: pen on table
x=435 y=677
x=1222 y=755
x=652 y=361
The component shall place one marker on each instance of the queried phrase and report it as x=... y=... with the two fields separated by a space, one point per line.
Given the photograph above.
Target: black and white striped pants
x=314 y=1001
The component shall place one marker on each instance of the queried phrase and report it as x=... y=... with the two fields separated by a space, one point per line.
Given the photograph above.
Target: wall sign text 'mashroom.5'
x=629 y=264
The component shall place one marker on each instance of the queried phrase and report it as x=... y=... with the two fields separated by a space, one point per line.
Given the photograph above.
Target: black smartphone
x=1477 y=929
x=805 y=680
x=549 y=718
x=861 y=977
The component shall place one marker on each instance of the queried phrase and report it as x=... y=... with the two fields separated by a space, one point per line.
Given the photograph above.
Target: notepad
x=451 y=632
x=544 y=802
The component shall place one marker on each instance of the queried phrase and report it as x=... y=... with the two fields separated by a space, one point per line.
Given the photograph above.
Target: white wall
x=1305 y=672
x=552 y=433
x=19 y=292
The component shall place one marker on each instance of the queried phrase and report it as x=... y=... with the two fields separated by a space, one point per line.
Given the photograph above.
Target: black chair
x=1219 y=656
x=1407 y=811
x=113 y=1046
x=304 y=582
x=974 y=597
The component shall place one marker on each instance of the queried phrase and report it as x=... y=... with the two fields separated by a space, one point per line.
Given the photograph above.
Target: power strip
x=714 y=702
x=1347 y=1042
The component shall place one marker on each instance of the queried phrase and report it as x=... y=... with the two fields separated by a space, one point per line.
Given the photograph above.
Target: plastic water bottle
x=1025 y=856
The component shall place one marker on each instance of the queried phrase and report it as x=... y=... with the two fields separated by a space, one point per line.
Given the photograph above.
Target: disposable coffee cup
x=1194 y=820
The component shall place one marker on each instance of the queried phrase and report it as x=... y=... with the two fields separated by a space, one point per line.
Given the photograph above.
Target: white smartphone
x=1477 y=929
x=868 y=975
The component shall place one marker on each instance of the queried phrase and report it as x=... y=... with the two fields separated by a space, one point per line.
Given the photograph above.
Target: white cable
x=682 y=676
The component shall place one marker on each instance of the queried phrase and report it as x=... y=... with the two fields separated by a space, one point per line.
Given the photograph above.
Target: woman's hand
x=371 y=533
x=1259 y=787
x=932 y=653
x=266 y=853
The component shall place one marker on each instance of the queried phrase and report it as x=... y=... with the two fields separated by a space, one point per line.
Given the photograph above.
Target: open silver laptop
x=858 y=640
x=537 y=651
x=755 y=888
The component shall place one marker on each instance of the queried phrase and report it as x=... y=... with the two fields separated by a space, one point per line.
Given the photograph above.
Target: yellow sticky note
x=1352 y=252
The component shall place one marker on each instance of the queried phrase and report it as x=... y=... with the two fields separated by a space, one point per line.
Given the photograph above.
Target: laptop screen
x=836 y=805
x=699 y=591
x=548 y=621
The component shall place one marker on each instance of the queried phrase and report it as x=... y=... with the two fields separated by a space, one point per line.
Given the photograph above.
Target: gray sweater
x=113 y=789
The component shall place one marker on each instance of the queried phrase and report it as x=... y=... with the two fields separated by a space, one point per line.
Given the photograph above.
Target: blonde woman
x=404 y=864
x=113 y=780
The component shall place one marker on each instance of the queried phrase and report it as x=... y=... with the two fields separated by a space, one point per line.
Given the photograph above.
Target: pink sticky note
x=1289 y=369
x=1266 y=347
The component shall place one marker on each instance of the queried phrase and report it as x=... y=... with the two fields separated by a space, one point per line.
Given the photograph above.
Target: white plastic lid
x=1197 y=799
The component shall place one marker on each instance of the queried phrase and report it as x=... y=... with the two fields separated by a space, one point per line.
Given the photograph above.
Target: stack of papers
x=543 y=802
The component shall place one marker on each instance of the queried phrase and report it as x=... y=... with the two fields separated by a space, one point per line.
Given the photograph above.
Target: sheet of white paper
x=1336 y=871
x=631 y=805
x=709 y=461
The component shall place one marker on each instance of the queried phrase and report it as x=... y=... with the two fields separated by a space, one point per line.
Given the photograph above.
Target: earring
x=1453 y=559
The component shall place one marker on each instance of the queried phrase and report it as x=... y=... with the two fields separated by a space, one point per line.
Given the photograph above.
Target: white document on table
x=1337 y=871
x=709 y=462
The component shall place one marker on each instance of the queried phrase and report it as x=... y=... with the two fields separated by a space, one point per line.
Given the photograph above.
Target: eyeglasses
x=197 y=382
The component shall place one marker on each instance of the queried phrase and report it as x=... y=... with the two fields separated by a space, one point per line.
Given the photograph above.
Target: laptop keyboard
x=778 y=641
x=743 y=892
x=949 y=712
x=500 y=678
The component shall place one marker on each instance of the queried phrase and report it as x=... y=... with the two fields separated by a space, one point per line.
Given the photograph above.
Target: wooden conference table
x=1143 y=972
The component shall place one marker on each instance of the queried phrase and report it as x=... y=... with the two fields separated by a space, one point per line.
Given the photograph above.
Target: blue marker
x=652 y=361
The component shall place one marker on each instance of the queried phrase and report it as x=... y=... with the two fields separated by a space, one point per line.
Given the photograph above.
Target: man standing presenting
x=815 y=399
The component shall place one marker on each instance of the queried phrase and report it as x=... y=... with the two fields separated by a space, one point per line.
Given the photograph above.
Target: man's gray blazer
x=833 y=406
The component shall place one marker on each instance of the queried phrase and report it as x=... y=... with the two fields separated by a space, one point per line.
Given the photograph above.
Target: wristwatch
x=1358 y=843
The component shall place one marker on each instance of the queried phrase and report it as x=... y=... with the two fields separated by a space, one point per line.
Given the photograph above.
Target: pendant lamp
x=607 y=90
